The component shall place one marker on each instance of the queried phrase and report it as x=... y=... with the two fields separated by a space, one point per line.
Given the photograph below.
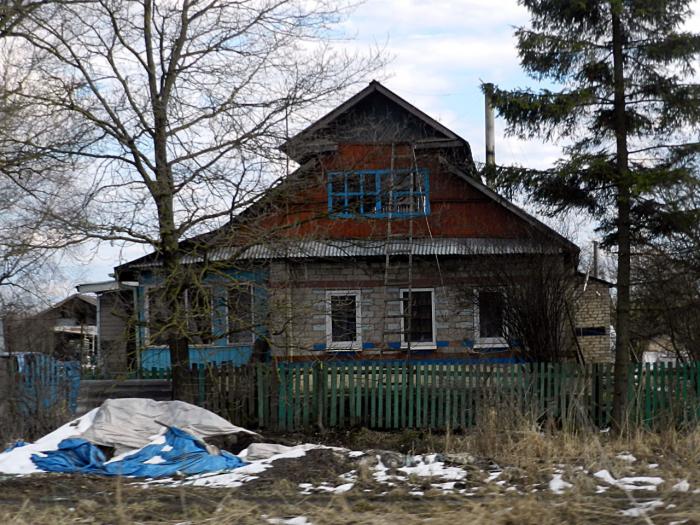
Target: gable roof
x=194 y=247
x=444 y=134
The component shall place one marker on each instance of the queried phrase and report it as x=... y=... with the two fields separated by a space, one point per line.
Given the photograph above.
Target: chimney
x=490 y=133
x=595 y=259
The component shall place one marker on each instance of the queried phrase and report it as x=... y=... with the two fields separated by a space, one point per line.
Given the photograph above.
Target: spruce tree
x=619 y=96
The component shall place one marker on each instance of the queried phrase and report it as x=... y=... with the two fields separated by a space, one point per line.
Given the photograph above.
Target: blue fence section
x=45 y=383
x=159 y=357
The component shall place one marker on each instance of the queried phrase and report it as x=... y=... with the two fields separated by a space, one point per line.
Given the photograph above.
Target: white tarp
x=130 y=423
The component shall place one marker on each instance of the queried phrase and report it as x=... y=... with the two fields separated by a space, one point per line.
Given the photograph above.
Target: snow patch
x=236 y=478
x=630 y=483
x=299 y=520
x=19 y=460
x=558 y=485
x=681 y=486
x=640 y=509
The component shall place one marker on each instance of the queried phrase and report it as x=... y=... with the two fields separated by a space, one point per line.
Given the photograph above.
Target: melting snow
x=681 y=486
x=299 y=520
x=630 y=483
x=625 y=456
x=558 y=485
x=19 y=460
x=493 y=475
x=236 y=478
x=640 y=509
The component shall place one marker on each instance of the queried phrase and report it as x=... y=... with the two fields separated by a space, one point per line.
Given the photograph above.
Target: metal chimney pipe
x=489 y=128
x=595 y=259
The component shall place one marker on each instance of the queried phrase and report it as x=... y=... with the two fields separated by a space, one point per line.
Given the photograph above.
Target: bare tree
x=35 y=180
x=186 y=103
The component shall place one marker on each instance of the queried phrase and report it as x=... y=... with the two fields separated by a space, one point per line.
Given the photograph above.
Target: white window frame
x=251 y=290
x=426 y=345
x=486 y=342
x=344 y=345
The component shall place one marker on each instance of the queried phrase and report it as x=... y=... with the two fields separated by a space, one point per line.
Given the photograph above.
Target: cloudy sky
x=441 y=52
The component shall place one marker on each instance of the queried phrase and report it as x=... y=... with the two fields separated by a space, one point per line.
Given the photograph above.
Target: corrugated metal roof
x=369 y=248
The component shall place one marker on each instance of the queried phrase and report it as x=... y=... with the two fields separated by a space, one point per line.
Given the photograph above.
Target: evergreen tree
x=620 y=97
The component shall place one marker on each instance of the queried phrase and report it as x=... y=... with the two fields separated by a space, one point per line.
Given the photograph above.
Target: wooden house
x=65 y=330
x=383 y=244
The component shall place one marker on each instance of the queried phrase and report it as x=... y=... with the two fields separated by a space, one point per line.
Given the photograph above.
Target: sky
x=440 y=52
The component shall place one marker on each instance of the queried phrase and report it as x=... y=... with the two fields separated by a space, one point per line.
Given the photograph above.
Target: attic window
x=380 y=194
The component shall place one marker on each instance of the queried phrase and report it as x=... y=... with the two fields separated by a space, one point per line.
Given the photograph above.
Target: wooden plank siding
x=457 y=208
x=399 y=395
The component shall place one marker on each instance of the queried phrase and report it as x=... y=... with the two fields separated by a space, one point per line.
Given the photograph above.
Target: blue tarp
x=181 y=453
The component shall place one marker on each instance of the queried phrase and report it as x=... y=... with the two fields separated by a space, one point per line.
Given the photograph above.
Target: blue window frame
x=387 y=194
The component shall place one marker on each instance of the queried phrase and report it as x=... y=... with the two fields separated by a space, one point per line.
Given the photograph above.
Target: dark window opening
x=343 y=318
x=490 y=314
x=418 y=317
x=200 y=309
x=157 y=316
x=240 y=315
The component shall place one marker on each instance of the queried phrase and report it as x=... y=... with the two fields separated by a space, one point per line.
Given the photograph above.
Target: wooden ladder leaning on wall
x=397 y=247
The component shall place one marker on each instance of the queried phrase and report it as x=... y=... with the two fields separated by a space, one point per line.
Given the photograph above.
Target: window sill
x=420 y=346
x=355 y=347
x=491 y=342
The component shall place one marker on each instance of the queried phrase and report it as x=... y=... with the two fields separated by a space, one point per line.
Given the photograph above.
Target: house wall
x=593 y=321
x=291 y=309
x=116 y=330
x=220 y=350
x=456 y=208
x=298 y=308
x=298 y=305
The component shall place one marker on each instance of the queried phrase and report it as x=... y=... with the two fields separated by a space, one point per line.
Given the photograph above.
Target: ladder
x=398 y=246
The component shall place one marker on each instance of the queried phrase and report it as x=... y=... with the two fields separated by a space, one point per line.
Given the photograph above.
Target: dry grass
x=528 y=453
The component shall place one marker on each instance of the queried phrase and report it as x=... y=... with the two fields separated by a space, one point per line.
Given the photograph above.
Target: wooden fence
x=398 y=395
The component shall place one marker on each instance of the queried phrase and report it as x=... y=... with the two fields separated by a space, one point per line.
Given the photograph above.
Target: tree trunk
x=178 y=342
x=623 y=228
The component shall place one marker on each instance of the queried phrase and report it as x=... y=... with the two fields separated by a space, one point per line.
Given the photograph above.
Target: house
x=66 y=330
x=383 y=244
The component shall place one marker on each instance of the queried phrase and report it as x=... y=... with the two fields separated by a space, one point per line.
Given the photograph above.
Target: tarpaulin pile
x=149 y=439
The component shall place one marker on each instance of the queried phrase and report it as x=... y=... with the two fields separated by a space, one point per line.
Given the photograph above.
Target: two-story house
x=383 y=244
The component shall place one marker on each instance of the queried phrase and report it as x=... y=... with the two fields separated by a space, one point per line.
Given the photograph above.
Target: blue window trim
x=371 y=186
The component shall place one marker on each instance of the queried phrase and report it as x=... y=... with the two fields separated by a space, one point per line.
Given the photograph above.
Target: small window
x=200 y=310
x=240 y=315
x=489 y=318
x=156 y=317
x=343 y=330
x=398 y=193
x=418 y=318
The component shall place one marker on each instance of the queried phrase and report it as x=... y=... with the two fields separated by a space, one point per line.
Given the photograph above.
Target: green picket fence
x=398 y=395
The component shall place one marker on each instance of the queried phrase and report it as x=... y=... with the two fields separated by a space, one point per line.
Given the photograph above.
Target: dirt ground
x=520 y=494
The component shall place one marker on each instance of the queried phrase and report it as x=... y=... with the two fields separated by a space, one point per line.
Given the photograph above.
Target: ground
x=406 y=478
